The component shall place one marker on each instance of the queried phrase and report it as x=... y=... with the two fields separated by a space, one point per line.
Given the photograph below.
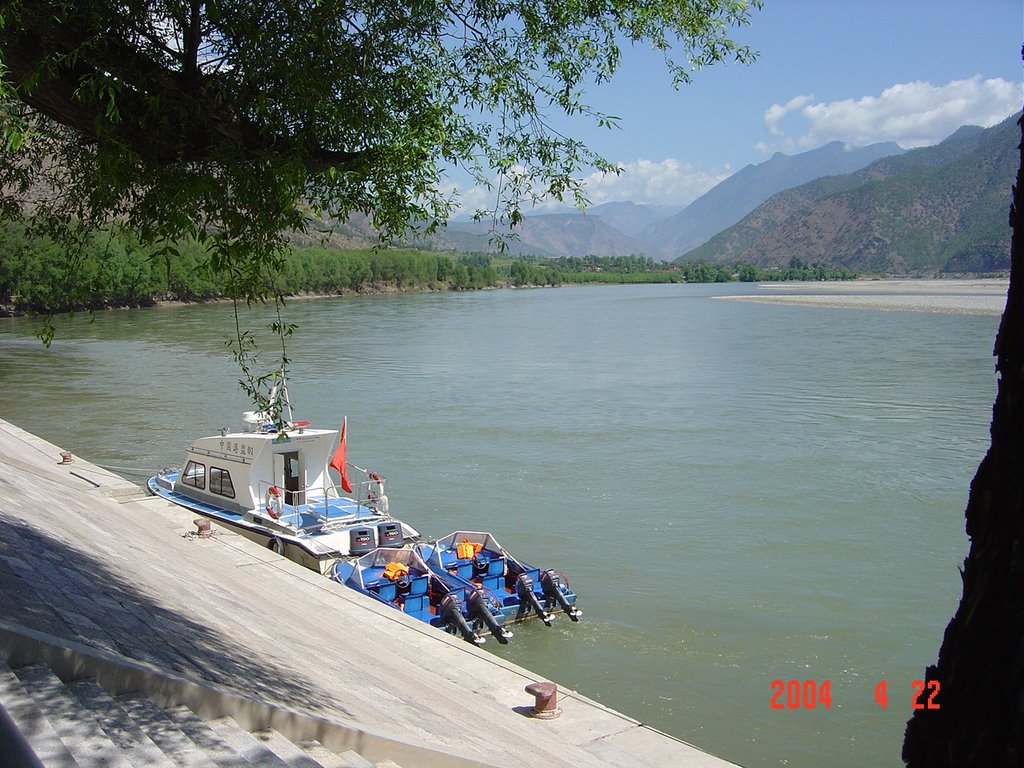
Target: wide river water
x=739 y=492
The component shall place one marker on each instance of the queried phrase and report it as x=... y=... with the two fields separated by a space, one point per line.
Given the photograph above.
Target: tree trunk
x=977 y=714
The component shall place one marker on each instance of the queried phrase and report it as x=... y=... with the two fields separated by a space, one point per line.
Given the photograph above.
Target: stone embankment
x=110 y=593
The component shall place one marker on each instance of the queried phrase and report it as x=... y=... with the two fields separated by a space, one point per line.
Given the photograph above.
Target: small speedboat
x=476 y=559
x=271 y=482
x=400 y=578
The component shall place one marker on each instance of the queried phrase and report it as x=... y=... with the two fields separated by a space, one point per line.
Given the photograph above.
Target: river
x=740 y=493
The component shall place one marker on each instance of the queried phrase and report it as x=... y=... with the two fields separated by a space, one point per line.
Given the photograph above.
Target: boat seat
x=386 y=590
x=416 y=604
x=496 y=567
x=488 y=563
x=534 y=574
x=448 y=558
x=418 y=586
x=493 y=583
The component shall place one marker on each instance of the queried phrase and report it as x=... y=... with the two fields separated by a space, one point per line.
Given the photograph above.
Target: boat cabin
x=237 y=470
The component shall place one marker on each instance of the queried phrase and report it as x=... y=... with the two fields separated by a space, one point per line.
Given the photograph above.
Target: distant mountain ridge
x=665 y=232
x=741 y=193
x=878 y=209
x=551 y=235
x=930 y=210
x=631 y=218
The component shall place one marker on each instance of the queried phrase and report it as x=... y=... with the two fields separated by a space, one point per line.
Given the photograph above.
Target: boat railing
x=318 y=509
x=366 y=495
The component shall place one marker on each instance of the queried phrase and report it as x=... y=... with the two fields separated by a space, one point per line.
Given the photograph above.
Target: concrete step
x=80 y=725
x=352 y=759
x=294 y=755
x=119 y=726
x=257 y=751
x=171 y=740
x=322 y=754
x=225 y=739
x=74 y=724
x=32 y=723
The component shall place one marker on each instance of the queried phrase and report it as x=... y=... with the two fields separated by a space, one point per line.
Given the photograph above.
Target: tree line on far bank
x=115 y=270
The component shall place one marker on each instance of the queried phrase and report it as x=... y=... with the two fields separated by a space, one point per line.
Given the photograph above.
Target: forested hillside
x=115 y=270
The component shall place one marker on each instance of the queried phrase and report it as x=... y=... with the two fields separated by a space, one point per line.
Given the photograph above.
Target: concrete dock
x=95 y=571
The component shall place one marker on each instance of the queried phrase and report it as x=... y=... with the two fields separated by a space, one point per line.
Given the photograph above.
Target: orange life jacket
x=467 y=550
x=395 y=571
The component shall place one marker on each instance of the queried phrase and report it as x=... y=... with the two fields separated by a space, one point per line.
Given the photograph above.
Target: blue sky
x=858 y=71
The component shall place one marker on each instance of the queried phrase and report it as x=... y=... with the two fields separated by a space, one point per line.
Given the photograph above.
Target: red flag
x=338 y=460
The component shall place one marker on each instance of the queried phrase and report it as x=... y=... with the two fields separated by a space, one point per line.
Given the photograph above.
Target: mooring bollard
x=65 y=457
x=546 y=705
x=204 y=527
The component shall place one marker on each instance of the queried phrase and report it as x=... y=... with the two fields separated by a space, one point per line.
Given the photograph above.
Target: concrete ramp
x=99 y=582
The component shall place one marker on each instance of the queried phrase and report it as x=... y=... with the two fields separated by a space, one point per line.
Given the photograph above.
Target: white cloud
x=648 y=181
x=473 y=198
x=911 y=114
x=774 y=114
x=665 y=181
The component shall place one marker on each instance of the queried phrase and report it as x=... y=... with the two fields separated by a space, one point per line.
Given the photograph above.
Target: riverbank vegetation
x=117 y=270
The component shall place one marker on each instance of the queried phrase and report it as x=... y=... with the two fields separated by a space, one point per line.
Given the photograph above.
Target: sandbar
x=959 y=297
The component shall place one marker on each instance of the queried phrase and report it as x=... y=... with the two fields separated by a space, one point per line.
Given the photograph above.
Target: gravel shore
x=958 y=297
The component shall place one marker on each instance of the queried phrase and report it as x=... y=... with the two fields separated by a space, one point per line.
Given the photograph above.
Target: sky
x=856 y=71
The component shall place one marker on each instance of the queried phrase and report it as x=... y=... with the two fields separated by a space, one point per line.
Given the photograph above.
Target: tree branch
x=159 y=114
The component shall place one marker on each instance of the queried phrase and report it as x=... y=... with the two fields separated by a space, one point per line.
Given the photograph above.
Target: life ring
x=273 y=503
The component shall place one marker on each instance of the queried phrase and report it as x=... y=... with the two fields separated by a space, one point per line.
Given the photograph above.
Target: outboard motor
x=360 y=541
x=551 y=583
x=451 y=612
x=478 y=604
x=390 y=535
x=524 y=588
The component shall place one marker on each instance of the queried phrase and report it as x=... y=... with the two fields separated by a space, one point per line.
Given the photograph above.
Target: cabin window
x=220 y=482
x=194 y=475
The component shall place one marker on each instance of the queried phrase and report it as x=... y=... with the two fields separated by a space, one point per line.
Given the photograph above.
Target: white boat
x=272 y=483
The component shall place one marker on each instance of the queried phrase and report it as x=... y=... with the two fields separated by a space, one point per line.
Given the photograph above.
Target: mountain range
x=938 y=209
x=665 y=232
x=873 y=209
x=744 y=191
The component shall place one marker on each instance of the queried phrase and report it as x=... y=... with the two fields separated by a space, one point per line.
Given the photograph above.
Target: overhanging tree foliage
x=234 y=122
